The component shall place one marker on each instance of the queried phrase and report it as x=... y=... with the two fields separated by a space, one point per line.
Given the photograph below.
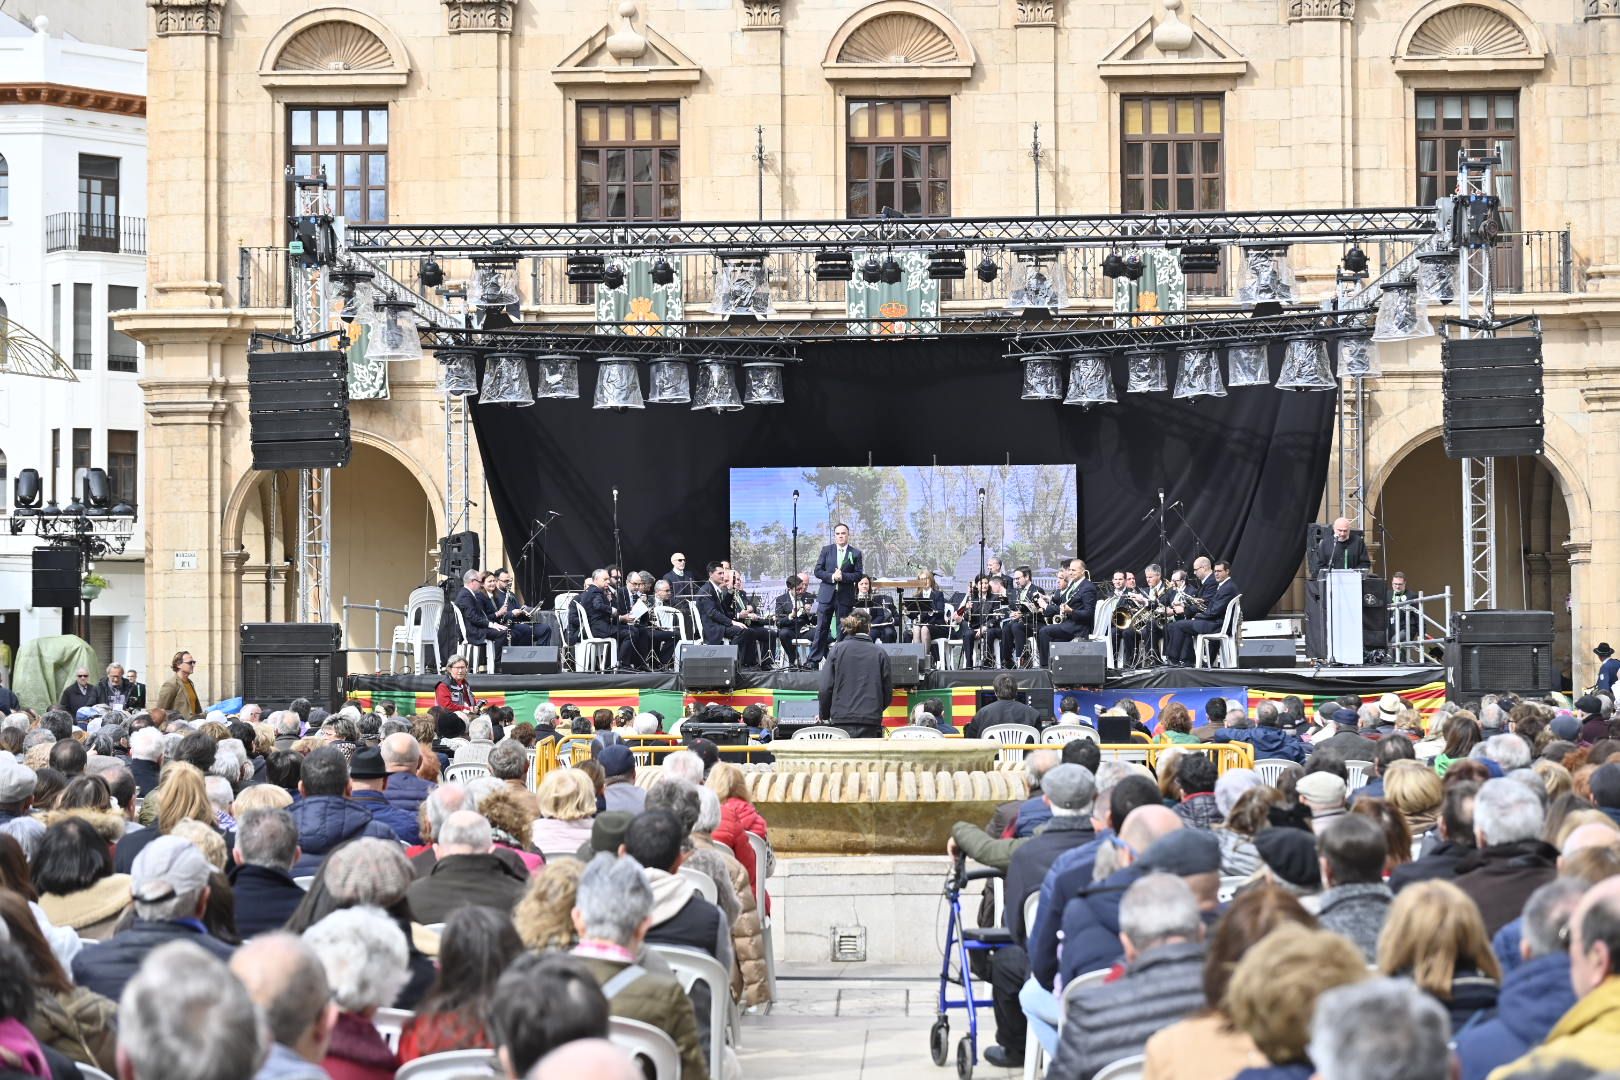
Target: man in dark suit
x=472 y=602
x=993 y=571
x=1341 y=551
x=79 y=694
x=838 y=568
x=1076 y=607
x=1217 y=589
x=606 y=621
x=508 y=609
x=617 y=591
x=683 y=586
x=794 y=615
x=718 y=623
x=1015 y=627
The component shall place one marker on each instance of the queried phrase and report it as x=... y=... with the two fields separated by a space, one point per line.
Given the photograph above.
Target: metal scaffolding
x=311 y=315
x=1476 y=179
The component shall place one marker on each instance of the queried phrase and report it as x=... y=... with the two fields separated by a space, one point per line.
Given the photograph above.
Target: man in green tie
x=838 y=568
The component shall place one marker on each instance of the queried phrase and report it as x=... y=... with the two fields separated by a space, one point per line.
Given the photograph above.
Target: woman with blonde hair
x=260 y=797
x=1273 y=991
x=1416 y=793
x=1435 y=936
x=738 y=817
x=545 y=915
x=181 y=795
x=567 y=801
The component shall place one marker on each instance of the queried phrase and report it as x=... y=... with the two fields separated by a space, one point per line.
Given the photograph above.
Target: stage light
x=1199 y=259
x=394 y=336
x=762 y=383
x=662 y=273
x=73 y=509
x=1437 y=277
x=1038 y=287
x=585 y=269
x=1090 y=381
x=1134 y=268
x=1145 y=372
x=1198 y=373
x=431 y=274
x=458 y=373
x=891 y=271
x=349 y=293
x=618 y=384
x=1113 y=265
x=1358 y=358
x=97 y=489
x=1305 y=366
x=1355 y=260
x=1043 y=378
x=741 y=285
x=123 y=510
x=26 y=490
x=871 y=271
x=613 y=276
x=556 y=377
x=1247 y=365
x=669 y=381
x=1401 y=316
x=1267 y=277
x=834 y=266
x=987 y=270
x=716 y=388
x=51 y=510
x=506 y=380
x=493 y=283
x=947 y=265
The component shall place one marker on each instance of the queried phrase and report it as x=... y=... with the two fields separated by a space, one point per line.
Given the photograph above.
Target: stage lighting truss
x=493 y=283
x=742 y=286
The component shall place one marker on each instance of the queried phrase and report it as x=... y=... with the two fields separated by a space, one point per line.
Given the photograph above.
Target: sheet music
x=638 y=609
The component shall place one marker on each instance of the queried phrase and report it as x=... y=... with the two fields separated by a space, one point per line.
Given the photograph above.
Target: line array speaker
x=1492 y=396
x=284 y=661
x=56 y=578
x=298 y=409
x=458 y=553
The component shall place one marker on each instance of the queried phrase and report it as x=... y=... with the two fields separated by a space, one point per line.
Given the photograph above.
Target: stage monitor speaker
x=1266 y=653
x=56 y=578
x=1079 y=663
x=908 y=662
x=1502 y=627
x=708 y=667
x=719 y=734
x=1113 y=730
x=458 y=553
x=531 y=660
x=284 y=661
x=1521 y=668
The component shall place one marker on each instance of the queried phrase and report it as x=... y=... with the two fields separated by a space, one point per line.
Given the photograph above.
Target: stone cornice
x=1036 y=13
x=185 y=402
x=160 y=326
x=1601 y=398
x=179 y=17
x=72 y=97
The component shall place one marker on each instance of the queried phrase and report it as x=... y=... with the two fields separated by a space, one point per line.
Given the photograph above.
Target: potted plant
x=92 y=586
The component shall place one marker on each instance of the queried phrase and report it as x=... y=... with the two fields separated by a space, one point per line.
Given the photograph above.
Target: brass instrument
x=1128 y=610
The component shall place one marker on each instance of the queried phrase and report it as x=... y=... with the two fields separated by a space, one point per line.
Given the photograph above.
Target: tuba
x=1128 y=611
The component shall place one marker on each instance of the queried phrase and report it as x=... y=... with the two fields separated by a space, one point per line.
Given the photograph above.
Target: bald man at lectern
x=1342 y=551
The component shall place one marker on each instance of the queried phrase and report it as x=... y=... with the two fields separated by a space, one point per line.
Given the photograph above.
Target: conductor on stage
x=838 y=568
x=1341 y=551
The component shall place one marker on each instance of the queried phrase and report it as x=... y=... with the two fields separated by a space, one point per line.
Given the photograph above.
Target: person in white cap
x=17 y=783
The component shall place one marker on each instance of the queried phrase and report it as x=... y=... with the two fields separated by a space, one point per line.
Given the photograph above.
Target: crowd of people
x=237 y=896
x=1455 y=912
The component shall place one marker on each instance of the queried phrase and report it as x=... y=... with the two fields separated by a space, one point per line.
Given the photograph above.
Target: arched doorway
x=1420 y=506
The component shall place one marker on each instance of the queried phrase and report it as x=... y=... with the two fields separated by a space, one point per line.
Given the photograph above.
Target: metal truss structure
x=311 y=315
x=1476 y=178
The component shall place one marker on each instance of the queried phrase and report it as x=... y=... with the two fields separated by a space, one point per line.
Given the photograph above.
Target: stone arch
x=1475 y=34
x=899 y=39
x=334 y=46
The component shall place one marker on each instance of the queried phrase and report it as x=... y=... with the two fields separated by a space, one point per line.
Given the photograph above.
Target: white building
x=72 y=249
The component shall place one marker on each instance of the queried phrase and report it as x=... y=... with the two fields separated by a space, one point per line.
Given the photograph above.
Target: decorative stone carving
x=898 y=39
x=480 y=16
x=1172 y=35
x=1469 y=30
x=1037 y=12
x=186 y=16
x=627 y=44
x=762 y=14
x=334 y=46
x=1321 y=9
x=1603 y=9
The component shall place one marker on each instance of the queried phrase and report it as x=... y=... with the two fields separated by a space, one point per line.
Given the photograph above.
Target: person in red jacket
x=454 y=691
x=737 y=816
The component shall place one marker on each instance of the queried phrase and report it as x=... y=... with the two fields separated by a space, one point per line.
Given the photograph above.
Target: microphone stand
x=982 y=531
x=795 y=533
x=541 y=531
x=1196 y=539
x=618 y=555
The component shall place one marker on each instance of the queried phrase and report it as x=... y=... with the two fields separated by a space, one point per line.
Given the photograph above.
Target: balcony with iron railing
x=95 y=232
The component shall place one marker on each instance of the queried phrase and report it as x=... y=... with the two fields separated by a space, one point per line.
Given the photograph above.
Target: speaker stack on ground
x=298 y=409
x=531 y=660
x=283 y=661
x=1496 y=651
x=1492 y=396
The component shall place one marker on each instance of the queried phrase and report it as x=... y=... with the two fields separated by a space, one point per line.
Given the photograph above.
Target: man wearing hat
x=1608 y=667
x=1323 y=793
x=169 y=882
x=1390 y=707
x=368 y=778
x=1345 y=742
x=1290 y=858
x=620 y=792
x=17 y=783
x=1593 y=727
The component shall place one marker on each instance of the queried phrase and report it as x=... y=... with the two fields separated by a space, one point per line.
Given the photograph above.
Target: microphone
x=615 y=494
x=981 y=494
x=1151 y=511
x=553 y=513
x=795 y=494
x=1174 y=505
x=1161 y=496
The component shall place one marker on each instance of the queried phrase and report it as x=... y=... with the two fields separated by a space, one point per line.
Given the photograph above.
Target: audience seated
x=363 y=953
x=1274 y=989
x=184 y=1016
x=1453 y=839
x=368 y=781
x=544 y=1001
x=467 y=871
x=72 y=870
x=474 y=949
x=1380 y=1029
x=620 y=791
x=261 y=877
x=1435 y=937
x=1512 y=861
x=285 y=979
x=567 y=805
x=326 y=816
x=74 y=1021
x=1354 y=901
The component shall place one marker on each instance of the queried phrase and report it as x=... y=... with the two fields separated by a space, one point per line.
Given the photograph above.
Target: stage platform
x=1421 y=685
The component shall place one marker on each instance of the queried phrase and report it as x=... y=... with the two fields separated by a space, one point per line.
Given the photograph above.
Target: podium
x=1333 y=617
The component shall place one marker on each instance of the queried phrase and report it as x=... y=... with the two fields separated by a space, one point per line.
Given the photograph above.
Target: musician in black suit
x=993 y=571
x=617 y=590
x=679 y=615
x=932 y=623
x=1075 y=608
x=795 y=614
x=885 y=621
x=509 y=611
x=683 y=586
x=982 y=618
x=660 y=641
x=475 y=610
x=717 y=616
x=1216 y=589
x=1341 y=551
x=1015 y=627
x=606 y=621
x=838 y=568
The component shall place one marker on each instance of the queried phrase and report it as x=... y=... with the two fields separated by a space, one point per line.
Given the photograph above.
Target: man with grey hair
x=220 y=796
x=994 y=846
x=509 y=762
x=1380 y=1029
x=647 y=724
x=480 y=741
x=1267 y=735
x=1162 y=930
x=184 y=1016
x=1511 y=861
x=146 y=758
x=1508 y=751
x=545 y=722
x=286 y=981
x=1535 y=993
x=466 y=872
x=684 y=765
x=288 y=728
x=612 y=913
x=169 y=881
x=261 y=871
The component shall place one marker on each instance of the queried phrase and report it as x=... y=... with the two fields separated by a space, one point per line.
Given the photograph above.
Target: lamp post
x=92 y=524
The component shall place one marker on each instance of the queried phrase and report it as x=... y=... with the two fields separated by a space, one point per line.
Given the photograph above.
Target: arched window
x=5 y=188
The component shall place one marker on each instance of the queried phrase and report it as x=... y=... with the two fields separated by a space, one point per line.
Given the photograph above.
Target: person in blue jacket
x=1269 y=739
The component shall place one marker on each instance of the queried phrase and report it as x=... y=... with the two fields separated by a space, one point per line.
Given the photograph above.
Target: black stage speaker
x=907 y=662
x=458 y=553
x=1374 y=613
x=531 y=660
x=298 y=409
x=719 y=734
x=283 y=661
x=1492 y=396
x=1114 y=730
x=1266 y=653
x=1495 y=651
x=794 y=713
x=709 y=667
x=1079 y=663
x=56 y=577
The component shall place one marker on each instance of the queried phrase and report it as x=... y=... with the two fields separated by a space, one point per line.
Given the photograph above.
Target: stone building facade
x=525 y=110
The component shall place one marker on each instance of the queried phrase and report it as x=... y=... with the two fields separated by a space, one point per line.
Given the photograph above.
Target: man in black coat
x=80 y=693
x=115 y=689
x=1075 y=607
x=682 y=585
x=1217 y=590
x=1006 y=709
x=718 y=624
x=471 y=601
x=1345 y=741
x=261 y=872
x=794 y=615
x=607 y=621
x=855 y=683
x=467 y=871
x=838 y=568
x=1456 y=840
x=1341 y=550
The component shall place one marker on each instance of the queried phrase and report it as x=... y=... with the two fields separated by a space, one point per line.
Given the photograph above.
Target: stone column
x=1583 y=666
x=481 y=66
x=184 y=224
x=1602 y=246
x=1599 y=544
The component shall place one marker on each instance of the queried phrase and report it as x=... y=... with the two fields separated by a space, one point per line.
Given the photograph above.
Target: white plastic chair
x=820 y=731
x=703 y=882
x=1102 y=626
x=451 y=1065
x=390 y=1024
x=762 y=869
x=1231 y=630
x=947 y=647
x=1129 y=1068
x=1360 y=774
x=1059 y=734
x=470 y=652
x=304 y=882
x=691 y=967
x=1034 y=1052
x=1230 y=884
x=1089 y=978
x=420 y=630
x=641 y=1040
x=693 y=624
x=467 y=770
x=1271 y=770
x=1016 y=740
x=592 y=653
x=916 y=731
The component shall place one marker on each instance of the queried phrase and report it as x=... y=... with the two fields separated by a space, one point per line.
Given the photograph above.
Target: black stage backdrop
x=1249 y=468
